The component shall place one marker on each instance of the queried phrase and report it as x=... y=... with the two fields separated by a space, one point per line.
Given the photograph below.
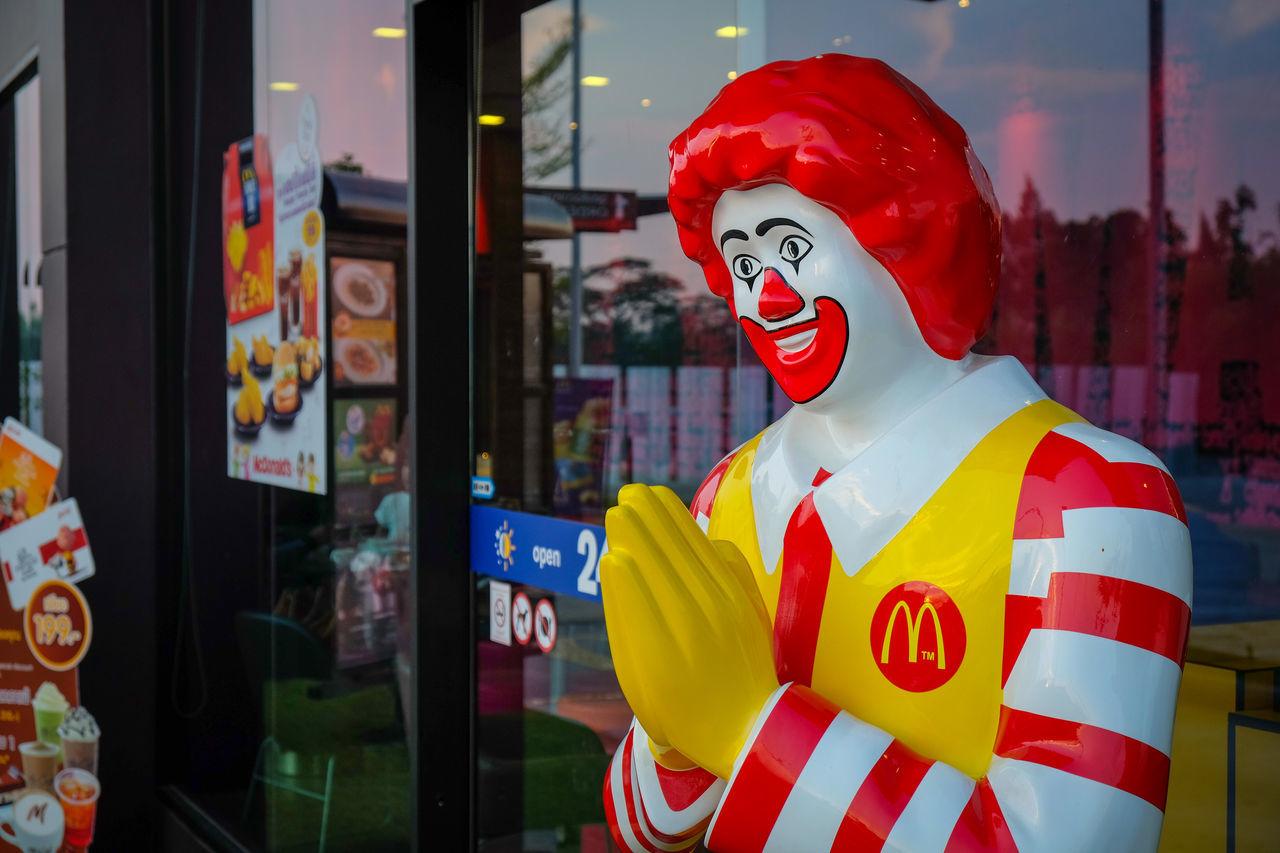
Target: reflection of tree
x=1085 y=286
x=645 y=310
x=1229 y=222
x=346 y=163
x=547 y=149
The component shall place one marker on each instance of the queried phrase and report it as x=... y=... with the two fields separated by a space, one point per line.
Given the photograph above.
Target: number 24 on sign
x=50 y=628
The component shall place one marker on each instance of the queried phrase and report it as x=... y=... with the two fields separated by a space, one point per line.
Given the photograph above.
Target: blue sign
x=482 y=487
x=562 y=556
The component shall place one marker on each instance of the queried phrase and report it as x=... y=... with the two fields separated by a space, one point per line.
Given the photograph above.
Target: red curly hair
x=867 y=143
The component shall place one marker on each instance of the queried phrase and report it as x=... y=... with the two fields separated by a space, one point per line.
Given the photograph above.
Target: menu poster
x=364 y=459
x=277 y=414
x=49 y=784
x=364 y=321
x=580 y=435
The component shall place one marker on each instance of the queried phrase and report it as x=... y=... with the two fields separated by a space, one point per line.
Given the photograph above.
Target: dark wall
x=206 y=716
x=110 y=452
x=131 y=108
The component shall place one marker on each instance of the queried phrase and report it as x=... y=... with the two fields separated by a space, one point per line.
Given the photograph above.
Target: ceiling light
x=644 y=102
x=731 y=32
x=733 y=75
x=492 y=120
x=592 y=80
x=389 y=32
x=284 y=86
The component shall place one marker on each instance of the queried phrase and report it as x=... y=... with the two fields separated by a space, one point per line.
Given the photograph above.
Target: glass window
x=316 y=613
x=1128 y=148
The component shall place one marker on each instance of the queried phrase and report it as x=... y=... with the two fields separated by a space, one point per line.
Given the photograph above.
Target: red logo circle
x=917 y=636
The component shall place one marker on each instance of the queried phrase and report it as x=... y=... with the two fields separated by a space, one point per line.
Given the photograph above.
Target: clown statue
x=929 y=609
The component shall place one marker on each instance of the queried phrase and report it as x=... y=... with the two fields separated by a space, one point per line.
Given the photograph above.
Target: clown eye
x=793 y=250
x=746 y=268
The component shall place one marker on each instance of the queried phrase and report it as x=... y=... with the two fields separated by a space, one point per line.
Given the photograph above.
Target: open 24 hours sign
x=562 y=556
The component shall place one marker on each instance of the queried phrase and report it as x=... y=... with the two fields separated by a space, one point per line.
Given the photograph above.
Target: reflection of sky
x=359 y=82
x=1055 y=92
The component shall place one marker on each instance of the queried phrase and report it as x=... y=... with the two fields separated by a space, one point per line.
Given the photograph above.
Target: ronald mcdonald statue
x=929 y=609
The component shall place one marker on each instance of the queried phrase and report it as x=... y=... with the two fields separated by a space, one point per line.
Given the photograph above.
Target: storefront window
x=312 y=750
x=1127 y=147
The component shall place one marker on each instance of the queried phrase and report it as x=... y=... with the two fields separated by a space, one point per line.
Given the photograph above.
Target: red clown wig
x=865 y=142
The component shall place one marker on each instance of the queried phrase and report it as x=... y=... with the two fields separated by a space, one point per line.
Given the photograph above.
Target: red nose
x=777 y=300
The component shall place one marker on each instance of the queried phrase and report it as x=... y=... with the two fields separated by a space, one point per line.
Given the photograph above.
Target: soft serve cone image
x=79 y=733
x=49 y=706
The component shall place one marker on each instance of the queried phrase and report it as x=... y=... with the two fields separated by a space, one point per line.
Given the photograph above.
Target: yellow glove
x=691 y=639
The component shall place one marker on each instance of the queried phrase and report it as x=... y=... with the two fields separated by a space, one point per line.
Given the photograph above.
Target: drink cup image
x=49 y=706
x=39 y=764
x=36 y=825
x=78 y=792
x=79 y=733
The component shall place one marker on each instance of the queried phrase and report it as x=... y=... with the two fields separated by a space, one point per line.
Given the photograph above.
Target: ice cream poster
x=274 y=363
x=49 y=786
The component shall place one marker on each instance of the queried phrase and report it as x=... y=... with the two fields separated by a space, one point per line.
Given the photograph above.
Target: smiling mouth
x=795 y=337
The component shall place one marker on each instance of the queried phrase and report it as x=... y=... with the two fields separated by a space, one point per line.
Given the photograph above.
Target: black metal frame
x=443 y=61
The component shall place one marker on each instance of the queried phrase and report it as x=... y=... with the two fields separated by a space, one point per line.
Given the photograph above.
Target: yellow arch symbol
x=913 y=632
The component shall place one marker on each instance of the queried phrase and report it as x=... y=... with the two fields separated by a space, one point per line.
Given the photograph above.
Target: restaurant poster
x=274 y=284
x=366 y=446
x=49 y=787
x=364 y=321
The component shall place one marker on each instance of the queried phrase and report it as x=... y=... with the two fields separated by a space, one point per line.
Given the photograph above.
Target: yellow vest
x=960 y=545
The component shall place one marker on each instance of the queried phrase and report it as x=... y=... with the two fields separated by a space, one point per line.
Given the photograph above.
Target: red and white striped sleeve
x=652 y=808
x=1096 y=625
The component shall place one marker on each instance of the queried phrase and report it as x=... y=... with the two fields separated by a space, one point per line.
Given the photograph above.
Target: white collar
x=866 y=503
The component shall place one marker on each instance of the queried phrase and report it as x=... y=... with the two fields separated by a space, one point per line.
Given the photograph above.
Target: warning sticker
x=544 y=625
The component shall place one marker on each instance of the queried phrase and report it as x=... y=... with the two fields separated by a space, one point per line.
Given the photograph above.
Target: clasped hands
x=691 y=640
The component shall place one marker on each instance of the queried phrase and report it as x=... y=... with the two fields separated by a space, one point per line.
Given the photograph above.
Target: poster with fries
x=274 y=283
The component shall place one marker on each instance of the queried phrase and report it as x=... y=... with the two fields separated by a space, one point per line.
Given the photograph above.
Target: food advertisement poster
x=49 y=785
x=364 y=321
x=580 y=434
x=274 y=283
x=364 y=459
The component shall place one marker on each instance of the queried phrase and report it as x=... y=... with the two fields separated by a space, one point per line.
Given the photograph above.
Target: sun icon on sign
x=503 y=546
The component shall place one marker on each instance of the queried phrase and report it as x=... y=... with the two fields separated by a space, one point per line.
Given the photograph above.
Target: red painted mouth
x=807 y=372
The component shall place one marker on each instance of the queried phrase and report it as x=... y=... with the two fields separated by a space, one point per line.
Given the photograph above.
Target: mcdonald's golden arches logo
x=917 y=636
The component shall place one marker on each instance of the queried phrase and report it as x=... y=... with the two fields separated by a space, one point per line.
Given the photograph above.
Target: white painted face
x=823 y=315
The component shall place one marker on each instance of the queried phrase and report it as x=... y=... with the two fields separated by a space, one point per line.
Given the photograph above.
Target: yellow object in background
x=691 y=640
x=237 y=244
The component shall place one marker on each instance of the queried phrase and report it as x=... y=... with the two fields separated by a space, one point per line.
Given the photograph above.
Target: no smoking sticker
x=521 y=618
x=500 y=612
x=544 y=625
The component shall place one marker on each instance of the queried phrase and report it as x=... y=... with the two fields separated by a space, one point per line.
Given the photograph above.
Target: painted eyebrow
x=764 y=227
x=734 y=234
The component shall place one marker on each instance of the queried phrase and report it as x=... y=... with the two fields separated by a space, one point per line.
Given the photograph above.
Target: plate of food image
x=262 y=358
x=362 y=292
x=248 y=414
x=315 y=375
x=282 y=418
x=246 y=429
x=361 y=362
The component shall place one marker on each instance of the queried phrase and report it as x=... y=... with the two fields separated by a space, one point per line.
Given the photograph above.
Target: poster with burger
x=274 y=360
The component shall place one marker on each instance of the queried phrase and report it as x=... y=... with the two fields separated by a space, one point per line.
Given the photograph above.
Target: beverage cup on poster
x=49 y=706
x=39 y=764
x=79 y=733
x=36 y=825
x=78 y=791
